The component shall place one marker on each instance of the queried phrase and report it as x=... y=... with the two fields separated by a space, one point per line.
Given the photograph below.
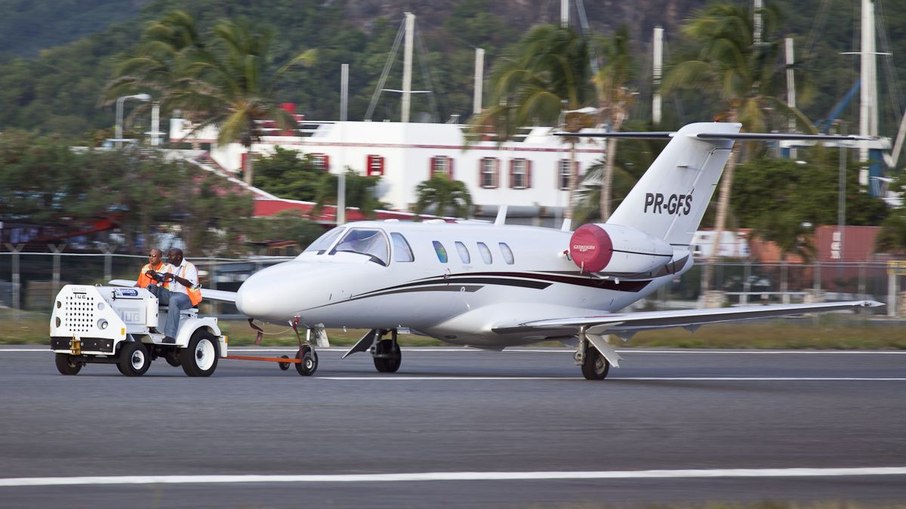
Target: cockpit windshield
x=323 y=243
x=370 y=242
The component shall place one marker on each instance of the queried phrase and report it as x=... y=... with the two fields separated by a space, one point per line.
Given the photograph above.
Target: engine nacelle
x=618 y=250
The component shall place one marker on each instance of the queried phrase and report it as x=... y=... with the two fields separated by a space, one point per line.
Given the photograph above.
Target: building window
x=441 y=165
x=321 y=161
x=489 y=172
x=374 y=165
x=563 y=174
x=520 y=174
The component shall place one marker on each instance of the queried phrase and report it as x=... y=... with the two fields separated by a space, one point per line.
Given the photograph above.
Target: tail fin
x=671 y=198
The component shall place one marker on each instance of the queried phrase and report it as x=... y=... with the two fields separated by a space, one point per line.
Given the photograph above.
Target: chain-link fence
x=29 y=281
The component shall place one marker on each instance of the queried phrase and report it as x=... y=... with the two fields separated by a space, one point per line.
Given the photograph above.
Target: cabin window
x=401 y=250
x=520 y=174
x=441 y=251
x=507 y=253
x=563 y=173
x=374 y=165
x=489 y=172
x=485 y=253
x=441 y=166
x=463 y=252
x=321 y=161
x=365 y=241
x=323 y=243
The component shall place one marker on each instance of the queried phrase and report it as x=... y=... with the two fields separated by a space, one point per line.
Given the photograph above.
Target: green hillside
x=56 y=57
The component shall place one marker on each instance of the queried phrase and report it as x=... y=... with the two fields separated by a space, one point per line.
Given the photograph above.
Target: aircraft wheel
x=284 y=365
x=67 y=364
x=134 y=359
x=387 y=356
x=595 y=366
x=200 y=357
x=309 y=361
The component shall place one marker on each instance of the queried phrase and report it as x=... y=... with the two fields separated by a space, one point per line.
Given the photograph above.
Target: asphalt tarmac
x=457 y=428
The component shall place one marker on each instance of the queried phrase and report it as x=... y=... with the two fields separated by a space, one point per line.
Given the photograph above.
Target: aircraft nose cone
x=246 y=302
x=266 y=294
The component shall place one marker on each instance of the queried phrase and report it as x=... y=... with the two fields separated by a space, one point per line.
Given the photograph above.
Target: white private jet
x=493 y=285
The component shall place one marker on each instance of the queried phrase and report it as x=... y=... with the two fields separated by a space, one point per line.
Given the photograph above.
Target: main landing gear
x=386 y=352
x=595 y=355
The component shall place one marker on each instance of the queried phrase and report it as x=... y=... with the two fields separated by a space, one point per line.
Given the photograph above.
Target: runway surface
x=457 y=428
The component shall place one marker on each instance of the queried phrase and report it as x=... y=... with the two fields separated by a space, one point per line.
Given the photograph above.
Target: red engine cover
x=590 y=248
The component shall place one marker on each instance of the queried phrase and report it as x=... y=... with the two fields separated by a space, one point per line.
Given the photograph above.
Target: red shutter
x=480 y=173
x=374 y=165
x=450 y=167
x=431 y=168
x=528 y=174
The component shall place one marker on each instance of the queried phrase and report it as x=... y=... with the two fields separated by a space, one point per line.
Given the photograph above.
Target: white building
x=529 y=174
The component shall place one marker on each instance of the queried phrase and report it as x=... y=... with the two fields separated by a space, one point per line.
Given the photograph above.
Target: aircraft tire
x=308 y=358
x=200 y=357
x=388 y=356
x=595 y=366
x=67 y=364
x=133 y=359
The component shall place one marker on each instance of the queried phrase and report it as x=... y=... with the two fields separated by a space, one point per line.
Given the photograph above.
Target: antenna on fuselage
x=501 y=216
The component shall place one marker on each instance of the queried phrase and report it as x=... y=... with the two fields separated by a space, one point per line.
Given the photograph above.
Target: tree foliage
x=783 y=200
x=291 y=175
x=138 y=190
x=443 y=196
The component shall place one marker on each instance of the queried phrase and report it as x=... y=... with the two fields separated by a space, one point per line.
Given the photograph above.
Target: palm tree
x=546 y=74
x=227 y=83
x=232 y=87
x=614 y=99
x=441 y=194
x=159 y=62
x=745 y=77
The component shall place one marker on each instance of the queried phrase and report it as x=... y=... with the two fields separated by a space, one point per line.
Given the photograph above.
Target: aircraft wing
x=627 y=324
x=206 y=293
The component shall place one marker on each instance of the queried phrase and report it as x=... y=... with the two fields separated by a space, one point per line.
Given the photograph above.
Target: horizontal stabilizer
x=657 y=135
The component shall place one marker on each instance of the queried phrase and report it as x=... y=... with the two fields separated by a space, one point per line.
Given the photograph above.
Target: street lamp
x=118 y=132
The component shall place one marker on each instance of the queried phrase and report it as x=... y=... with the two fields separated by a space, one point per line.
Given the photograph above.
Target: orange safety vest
x=144 y=280
x=194 y=292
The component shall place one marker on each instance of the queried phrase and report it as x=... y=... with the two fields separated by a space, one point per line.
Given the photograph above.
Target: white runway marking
x=392 y=378
x=629 y=351
x=453 y=476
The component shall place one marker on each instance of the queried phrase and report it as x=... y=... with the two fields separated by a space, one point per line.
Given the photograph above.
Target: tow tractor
x=123 y=326
x=114 y=325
